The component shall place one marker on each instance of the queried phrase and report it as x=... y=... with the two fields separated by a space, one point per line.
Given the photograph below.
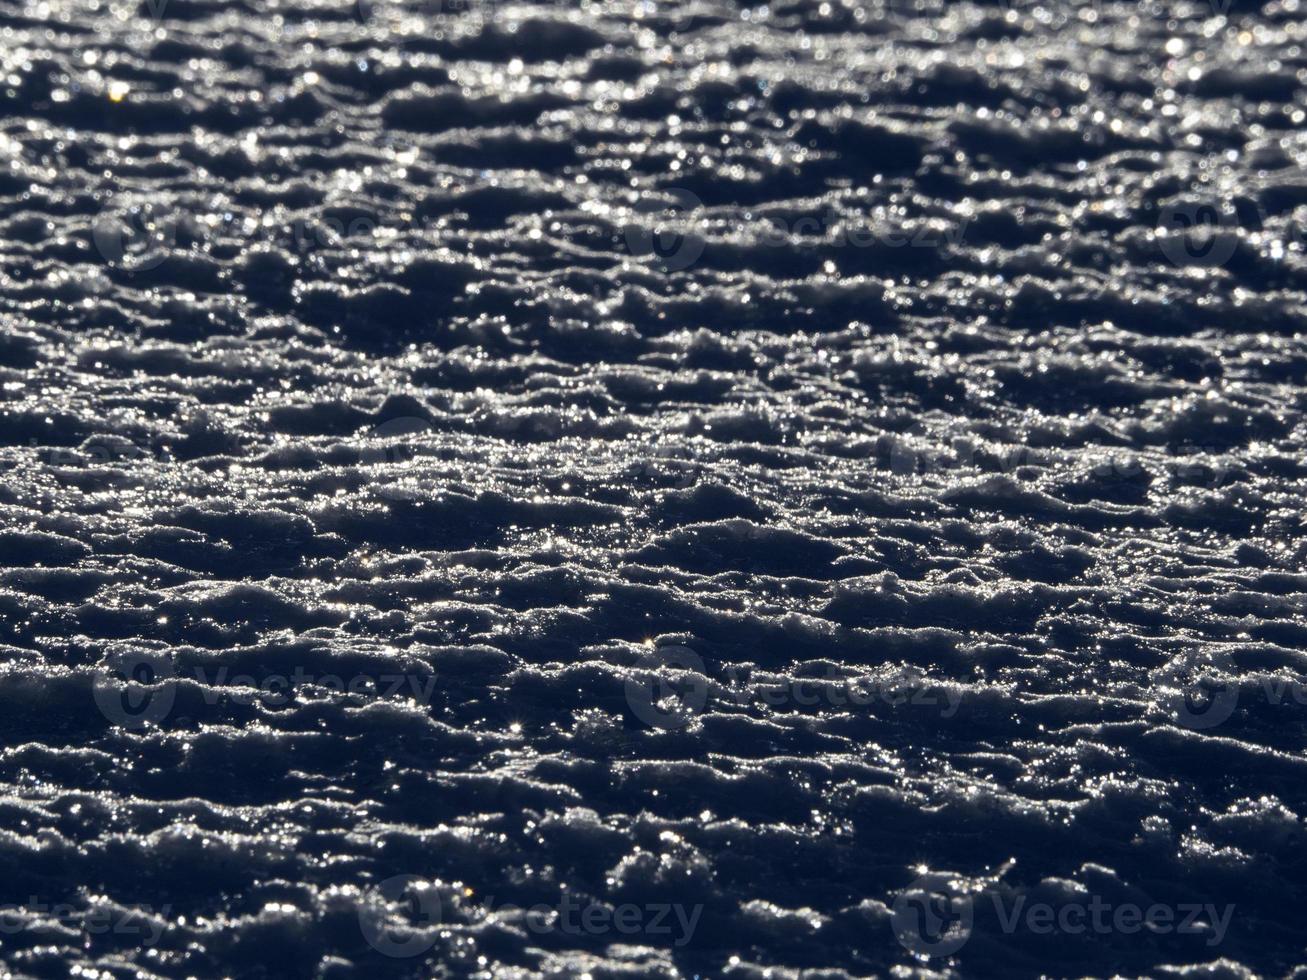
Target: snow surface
x=652 y=489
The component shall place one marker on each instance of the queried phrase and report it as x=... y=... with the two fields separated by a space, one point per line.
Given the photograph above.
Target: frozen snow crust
x=652 y=489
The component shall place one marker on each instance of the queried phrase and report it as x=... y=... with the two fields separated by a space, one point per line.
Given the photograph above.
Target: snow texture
x=629 y=489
